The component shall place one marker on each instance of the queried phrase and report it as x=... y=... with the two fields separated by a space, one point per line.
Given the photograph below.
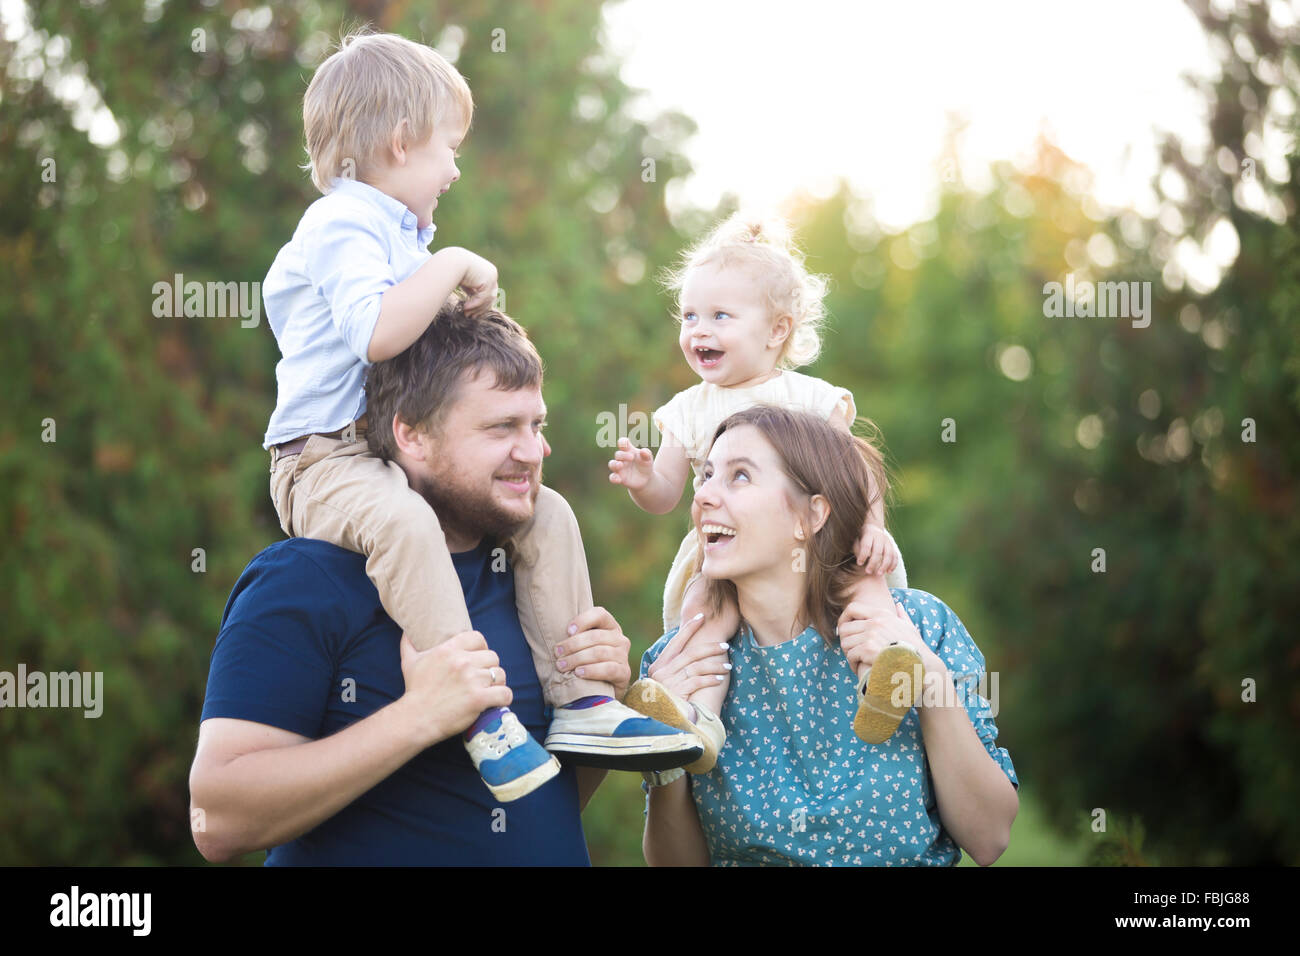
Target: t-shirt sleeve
x=827 y=400
x=348 y=264
x=670 y=419
x=273 y=660
x=652 y=655
x=965 y=664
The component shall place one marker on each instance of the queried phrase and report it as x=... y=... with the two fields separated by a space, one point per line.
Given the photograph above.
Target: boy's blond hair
x=362 y=93
x=765 y=248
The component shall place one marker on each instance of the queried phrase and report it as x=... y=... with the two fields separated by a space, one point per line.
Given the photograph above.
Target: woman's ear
x=820 y=510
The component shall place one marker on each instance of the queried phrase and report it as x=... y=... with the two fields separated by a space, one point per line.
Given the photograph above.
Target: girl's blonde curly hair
x=765 y=247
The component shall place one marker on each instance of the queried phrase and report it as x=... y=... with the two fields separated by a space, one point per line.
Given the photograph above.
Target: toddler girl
x=749 y=314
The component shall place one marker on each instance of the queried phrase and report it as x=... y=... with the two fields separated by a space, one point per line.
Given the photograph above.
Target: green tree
x=158 y=420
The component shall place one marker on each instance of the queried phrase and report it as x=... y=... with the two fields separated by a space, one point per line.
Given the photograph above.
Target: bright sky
x=792 y=95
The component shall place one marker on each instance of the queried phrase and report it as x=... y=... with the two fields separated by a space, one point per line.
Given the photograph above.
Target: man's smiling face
x=482 y=469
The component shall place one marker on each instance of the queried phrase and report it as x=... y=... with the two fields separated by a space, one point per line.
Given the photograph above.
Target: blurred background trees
x=1120 y=691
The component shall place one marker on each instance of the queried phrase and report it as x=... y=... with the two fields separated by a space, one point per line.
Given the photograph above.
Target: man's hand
x=631 y=467
x=450 y=684
x=480 y=285
x=596 y=649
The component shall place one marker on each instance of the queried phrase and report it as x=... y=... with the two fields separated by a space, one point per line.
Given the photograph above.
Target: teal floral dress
x=795 y=786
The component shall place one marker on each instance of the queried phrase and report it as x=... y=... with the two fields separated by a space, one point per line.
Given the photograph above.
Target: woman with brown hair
x=779 y=508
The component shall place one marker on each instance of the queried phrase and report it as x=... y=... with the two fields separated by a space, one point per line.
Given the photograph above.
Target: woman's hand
x=865 y=631
x=697 y=666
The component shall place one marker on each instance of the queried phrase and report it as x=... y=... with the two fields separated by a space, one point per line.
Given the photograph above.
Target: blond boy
x=357 y=285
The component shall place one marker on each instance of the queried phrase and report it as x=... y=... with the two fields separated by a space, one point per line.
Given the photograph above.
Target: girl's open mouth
x=708 y=357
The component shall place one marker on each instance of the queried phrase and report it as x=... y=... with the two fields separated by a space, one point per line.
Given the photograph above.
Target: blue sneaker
x=509 y=760
x=615 y=737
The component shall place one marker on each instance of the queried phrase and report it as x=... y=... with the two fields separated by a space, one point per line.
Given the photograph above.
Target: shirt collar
x=394 y=209
x=750 y=641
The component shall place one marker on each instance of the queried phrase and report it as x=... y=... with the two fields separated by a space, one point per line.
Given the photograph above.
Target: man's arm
x=260 y=786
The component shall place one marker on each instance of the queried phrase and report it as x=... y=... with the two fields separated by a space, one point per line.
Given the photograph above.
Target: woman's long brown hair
x=818 y=459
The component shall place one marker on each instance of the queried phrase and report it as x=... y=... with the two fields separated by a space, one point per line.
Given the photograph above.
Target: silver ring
x=492 y=673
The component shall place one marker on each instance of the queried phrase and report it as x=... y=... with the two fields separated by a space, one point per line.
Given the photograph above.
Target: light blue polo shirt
x=322 y=300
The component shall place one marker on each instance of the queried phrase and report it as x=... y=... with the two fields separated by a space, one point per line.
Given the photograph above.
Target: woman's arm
x=673 y=835
x=977 y=802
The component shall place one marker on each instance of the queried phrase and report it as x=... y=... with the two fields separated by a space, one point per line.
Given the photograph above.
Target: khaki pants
x=337 y=491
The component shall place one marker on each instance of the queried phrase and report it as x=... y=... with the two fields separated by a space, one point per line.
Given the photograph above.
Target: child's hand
x=632 y=467
x=480 y=285
x=876 y=549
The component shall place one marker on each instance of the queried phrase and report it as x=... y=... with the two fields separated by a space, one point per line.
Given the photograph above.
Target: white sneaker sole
x=523 y=786
x=583 y=743
x=628 y=753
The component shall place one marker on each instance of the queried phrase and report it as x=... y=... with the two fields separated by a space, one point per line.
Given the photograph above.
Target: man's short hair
x=421 y=384
x=365 y=91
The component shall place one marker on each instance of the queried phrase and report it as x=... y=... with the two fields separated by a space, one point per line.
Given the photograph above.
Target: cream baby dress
x=691 y=417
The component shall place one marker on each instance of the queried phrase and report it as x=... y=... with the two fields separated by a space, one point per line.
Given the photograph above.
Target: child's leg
x=889 y=687
x=873 y=591
x=340 y=493
x=337 y=491
x=714 y=630
x=897 y=578
x=552 y=587
x=589 y=727
x=699 y=714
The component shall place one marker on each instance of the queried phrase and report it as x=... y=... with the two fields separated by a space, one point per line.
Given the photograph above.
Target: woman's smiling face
x=742 y=510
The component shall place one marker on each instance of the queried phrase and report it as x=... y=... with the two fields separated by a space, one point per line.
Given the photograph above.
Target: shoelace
x=510 y=735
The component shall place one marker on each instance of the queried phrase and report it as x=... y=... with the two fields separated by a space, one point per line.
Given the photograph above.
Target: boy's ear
x=397 y=144
x=781 y=329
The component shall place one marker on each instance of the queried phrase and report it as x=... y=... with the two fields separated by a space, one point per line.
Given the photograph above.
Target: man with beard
x=326 y=737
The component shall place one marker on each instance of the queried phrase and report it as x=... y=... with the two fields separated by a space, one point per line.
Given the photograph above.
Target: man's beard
x=471 y=514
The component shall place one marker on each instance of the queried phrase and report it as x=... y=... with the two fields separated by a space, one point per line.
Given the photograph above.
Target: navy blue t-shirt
x=306 y=646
